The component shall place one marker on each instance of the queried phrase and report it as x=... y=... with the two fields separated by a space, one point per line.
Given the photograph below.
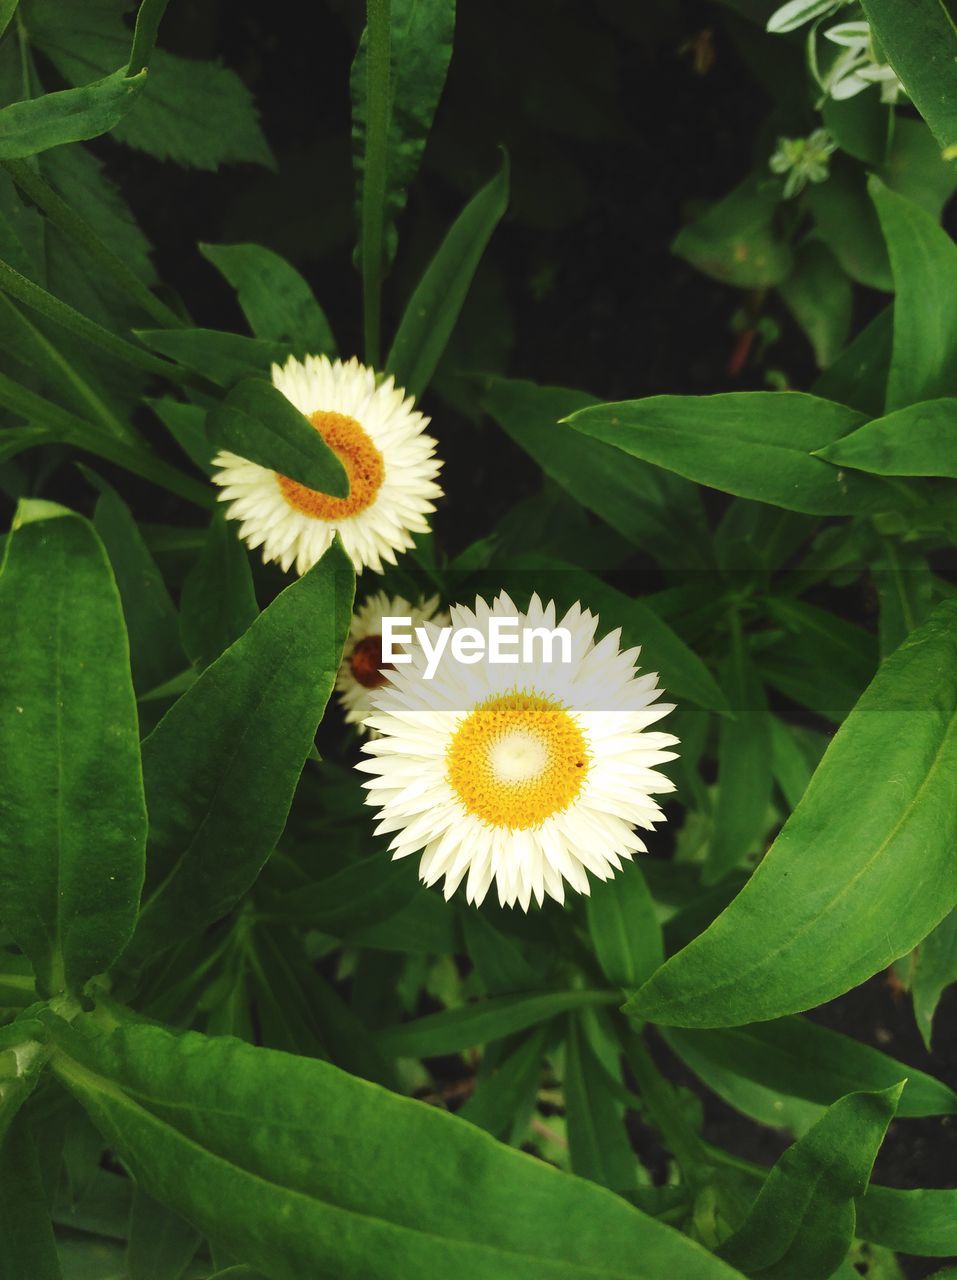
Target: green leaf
x=72 y=818
x=862 y=870
x=915 y=168
x=744 y=766
x=919 y=440
x=506 y=1094
x=275 y=299
x=634 y=498
x=597 y=1141
x=271 y=1155
x=754 y=444
x=353 y=897
x=905 y=589
x=151 y=623
x=220 y=357
x=195 y=113
x=818 y=295
x=22 y=1059
x=862 y=126
x=29 y=1248
x=921 y=1222
x=498 y=960
x=218 y=602
x=186 y=423
x=7 y=9
x=735 y=240
x=924 y=261
x=221 y=767
x=919 y=40
x=624 y=927
x=419 y=54
x=257 y=422
x=71 y=115
x=846 y=221
x=858 y=377
x=161 y=1244
x=815 y=641
x=802 y=1222
x=453 y=1030
x=935 y=970
x=438 y=298
x=797 y=1057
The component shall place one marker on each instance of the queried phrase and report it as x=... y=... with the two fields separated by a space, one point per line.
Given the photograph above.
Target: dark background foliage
x=620 y=120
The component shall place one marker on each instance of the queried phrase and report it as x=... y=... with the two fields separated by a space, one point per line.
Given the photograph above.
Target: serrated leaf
x=196 y=113
x=72 y=817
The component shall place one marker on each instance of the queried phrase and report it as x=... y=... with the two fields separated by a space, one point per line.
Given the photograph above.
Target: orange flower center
x=516 y=759
x=365 y=662
x=363 y=464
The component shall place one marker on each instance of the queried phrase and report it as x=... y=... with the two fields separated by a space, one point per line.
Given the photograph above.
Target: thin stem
x=144 y=34
x=378 y=107
x=13 y=283
x=72 y=224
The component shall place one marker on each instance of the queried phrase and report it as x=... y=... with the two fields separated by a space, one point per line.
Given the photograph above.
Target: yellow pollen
x=517 y=759
x=363 y=464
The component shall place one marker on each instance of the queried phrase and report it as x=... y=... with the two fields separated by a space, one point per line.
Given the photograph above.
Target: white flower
x=362 y=669
x=379 y=438
x=856 y=67
x=528 y=774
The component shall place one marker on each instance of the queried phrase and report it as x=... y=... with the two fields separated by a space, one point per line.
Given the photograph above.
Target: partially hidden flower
x=803 y=160
x=857 y=66
x=377 y=434
x=528 y=775
x=362 y=669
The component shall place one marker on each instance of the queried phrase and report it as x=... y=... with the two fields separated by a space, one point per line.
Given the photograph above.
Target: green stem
x=18 y=286
x=378 y=107
x=72 y=224
x=665 y=1112
x=144 y=34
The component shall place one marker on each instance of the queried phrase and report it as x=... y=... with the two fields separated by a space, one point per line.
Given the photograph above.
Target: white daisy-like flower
x=378 y=436
x=528 y=774
x=362 y=670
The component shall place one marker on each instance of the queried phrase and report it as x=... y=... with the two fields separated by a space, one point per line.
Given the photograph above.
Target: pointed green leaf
x=597 y=1141
x=862 y=870
x=29 y=1248
x=257 y=422
x=72 y=818
x=276 y=301
x=624 y=927
x=800 y=1058
x=802 y=1222
x=220 y=357
x=156 y=654
x=270 y=1155
x=919 y=40
x=755 y=444
x=922 y=1222
x=221 y=767
x=924 y=263
x=935 y=970
x=70 y=115
x=919 y=440
x=431 y=312
x=218 y=602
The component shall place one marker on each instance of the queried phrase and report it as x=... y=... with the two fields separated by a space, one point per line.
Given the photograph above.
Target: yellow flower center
x=363 y=464
x=517 y=759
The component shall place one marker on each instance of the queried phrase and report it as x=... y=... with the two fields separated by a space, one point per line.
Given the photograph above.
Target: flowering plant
x=451 y=821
